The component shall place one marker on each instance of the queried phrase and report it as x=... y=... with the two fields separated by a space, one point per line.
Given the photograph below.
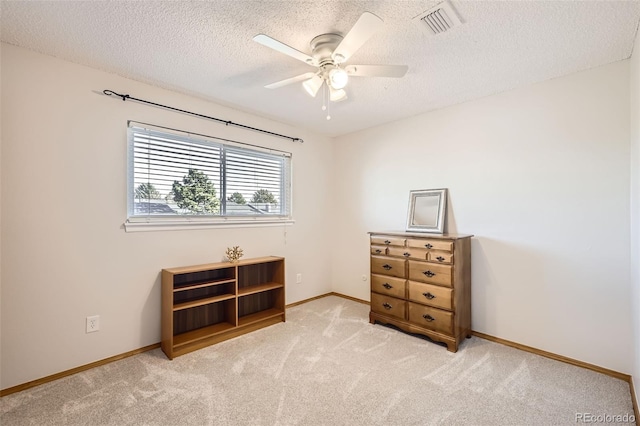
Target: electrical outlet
x=93 y=323
x=298 y=278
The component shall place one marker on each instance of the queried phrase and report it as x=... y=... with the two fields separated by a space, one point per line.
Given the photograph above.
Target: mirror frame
x=441 y=215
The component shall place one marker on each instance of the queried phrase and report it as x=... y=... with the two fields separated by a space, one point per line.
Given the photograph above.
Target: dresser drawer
x=431 y=318
x=388 y=306
x=378 y=250
x=387 y=266
x=387 y=241
x=440 y=257
x=408 y=252
x=431 y=244
x=430 y=273
x=432 y=295
x=388 y=285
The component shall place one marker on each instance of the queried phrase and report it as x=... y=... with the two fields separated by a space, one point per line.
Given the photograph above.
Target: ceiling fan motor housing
x=322 y=48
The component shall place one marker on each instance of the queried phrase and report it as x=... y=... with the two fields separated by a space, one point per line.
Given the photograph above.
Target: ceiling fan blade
x=278 y=46
x=367 y=25
x=291 y=80
x=376 y=70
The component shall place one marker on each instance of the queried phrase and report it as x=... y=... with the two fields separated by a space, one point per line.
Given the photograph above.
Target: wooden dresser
x=421 y=283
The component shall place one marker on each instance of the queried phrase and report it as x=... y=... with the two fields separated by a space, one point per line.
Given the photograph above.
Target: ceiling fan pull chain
x=328 y=113
x=324 y=97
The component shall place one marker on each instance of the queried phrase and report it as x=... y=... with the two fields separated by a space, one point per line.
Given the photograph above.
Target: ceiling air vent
x=439 y=19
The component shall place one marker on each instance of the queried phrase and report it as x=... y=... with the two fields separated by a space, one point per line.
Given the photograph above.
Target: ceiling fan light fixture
x=337 y=95
x=338 y=78
x=313 y=85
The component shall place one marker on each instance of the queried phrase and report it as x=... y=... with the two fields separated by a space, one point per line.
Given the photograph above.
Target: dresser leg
x=452 y=347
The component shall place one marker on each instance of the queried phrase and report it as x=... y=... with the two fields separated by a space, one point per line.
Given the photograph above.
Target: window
x=179 y=178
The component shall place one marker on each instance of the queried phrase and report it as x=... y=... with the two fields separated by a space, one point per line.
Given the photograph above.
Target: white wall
x=540 y=176
x=0 y=225
x=635 y=209
x=64 y=252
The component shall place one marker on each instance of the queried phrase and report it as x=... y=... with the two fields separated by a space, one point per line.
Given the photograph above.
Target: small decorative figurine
x=234 y=254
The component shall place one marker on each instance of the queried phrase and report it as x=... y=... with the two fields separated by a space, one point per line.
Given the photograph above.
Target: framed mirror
x=427 y=210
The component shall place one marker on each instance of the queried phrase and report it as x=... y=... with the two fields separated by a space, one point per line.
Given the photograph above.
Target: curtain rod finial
x=111 y=92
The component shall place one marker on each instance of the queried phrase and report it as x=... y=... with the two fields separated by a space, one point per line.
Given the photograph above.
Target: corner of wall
x=1 y=138
x=634 y=73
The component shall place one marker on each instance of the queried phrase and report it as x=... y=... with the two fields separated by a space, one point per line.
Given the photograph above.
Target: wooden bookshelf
x=206 y=304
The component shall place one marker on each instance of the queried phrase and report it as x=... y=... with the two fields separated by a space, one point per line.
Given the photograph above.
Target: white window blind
x=181 y=177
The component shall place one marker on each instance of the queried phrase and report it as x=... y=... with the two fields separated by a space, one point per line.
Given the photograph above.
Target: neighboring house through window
x=178 y=178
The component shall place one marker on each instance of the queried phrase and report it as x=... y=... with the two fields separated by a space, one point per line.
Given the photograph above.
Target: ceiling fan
x=329 y=54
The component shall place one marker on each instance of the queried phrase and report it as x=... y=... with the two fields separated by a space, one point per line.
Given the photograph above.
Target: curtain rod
x=261 y=148
x=226 y=122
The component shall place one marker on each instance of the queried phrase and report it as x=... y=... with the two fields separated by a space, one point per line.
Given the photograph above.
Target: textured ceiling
x=205 y=48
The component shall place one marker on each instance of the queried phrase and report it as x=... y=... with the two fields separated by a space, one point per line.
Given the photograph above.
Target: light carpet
x=325 y=366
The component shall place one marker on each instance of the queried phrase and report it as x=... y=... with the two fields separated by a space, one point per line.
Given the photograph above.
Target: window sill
x=156 y=224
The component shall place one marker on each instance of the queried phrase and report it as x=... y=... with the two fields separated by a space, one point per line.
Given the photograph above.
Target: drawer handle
x=387 y=242
x=406 y=254
x=387 y=267
x=429 y=273
x=428 y=317
x=428 y=295
x=387 y=306
x=378 y=251
x=440 y=259
x=387 y=286
x=428 y=246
